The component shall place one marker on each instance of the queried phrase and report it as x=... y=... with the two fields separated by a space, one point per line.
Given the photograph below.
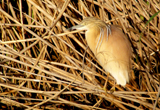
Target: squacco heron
x=110 y=46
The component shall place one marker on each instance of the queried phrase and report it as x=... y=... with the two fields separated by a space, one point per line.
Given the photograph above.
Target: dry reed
x=43 y=66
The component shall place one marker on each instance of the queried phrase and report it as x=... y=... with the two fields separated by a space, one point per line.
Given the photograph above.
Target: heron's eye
x=83 y=23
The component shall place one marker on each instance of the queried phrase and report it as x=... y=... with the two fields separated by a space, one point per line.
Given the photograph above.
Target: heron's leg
x=113 y=88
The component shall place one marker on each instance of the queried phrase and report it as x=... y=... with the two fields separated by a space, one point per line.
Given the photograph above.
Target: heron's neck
x=91 y=36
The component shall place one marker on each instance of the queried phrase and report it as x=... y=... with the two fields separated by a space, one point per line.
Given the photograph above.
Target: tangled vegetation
x=44 y=66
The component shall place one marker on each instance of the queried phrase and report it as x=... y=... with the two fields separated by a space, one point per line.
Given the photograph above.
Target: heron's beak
x=78 y=27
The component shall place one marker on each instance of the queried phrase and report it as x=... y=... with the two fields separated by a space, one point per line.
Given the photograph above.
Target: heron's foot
x=112 y=89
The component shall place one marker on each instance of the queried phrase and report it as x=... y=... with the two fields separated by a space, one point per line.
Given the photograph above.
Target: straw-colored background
x=43 y=66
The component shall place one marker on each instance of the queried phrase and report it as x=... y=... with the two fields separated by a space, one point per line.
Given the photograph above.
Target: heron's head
x=89 y=23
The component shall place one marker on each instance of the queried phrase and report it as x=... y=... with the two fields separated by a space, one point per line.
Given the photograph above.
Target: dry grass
x=42 y=64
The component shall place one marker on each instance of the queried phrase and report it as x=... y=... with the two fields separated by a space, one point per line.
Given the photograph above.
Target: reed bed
x=44 y=66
